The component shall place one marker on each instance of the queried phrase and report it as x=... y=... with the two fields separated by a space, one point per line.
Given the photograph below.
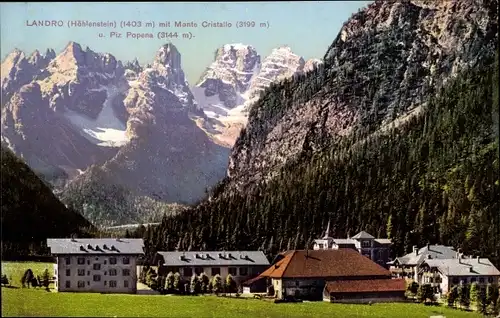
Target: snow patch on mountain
x=107 y=130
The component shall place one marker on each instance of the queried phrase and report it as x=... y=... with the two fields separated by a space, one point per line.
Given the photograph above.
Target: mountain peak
x=168 y=55
x=237 y=46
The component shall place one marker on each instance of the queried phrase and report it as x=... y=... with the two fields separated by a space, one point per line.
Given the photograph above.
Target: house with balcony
x=376 y=249
x=96 y=265
x=242 y=265
x=408 y=266
x=443 y=274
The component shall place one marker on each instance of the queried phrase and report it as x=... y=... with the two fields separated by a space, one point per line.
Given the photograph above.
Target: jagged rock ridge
x=384 y=64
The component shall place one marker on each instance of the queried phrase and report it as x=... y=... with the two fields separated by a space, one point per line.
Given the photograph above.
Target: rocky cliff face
x=385 y=63
x=238 y=76
x=135 y=127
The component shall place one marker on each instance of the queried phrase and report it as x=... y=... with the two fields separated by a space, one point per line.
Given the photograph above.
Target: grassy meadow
x=18 y=302
x=15 y=270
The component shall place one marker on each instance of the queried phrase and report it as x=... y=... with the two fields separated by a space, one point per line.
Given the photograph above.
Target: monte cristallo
x=192 y=24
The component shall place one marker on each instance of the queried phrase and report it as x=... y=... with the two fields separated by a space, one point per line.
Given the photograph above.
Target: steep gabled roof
x=363 y=235
x=366 y=285
x=325 y=263
x=435 y=251
x=464 y=266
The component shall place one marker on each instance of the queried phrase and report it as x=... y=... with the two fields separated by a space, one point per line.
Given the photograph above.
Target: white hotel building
x=96 y=265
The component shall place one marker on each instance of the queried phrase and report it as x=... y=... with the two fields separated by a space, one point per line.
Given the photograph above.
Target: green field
x=15 y=270
x=37 y=302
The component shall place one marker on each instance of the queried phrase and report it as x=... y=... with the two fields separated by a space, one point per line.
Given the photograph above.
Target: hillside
x=30 y=211
x=394 y=134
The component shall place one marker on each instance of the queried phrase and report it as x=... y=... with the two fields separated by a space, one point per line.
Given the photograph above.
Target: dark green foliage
x=46 y=278
x=216 y=284
x=230 y=284
x=463 y=296
x=425 y=293
x=177 y=282
x=195 y=285
x=473 y=293
x=452 y=296
x=5 y=280
x=413 y=288
x=435 y=177
x=30 y=211
x=169 y=282
x=481 y=299
x=204 y=283
x=27 y=278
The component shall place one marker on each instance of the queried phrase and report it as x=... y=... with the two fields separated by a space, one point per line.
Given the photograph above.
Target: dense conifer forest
x=30 y=211
x=433 y=179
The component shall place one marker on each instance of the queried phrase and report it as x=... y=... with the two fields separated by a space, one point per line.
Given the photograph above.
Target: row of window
x=112 y=272
x=112 y=260
x=112 y=283
x=456 y=280
x=188 y=271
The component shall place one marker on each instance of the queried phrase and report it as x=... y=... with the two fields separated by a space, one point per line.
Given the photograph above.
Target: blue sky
x=307 y=27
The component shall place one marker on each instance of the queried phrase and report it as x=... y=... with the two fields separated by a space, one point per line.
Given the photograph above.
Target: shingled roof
x=212 y=258
x=325 y=263
x=96 y=246
x=366 y=285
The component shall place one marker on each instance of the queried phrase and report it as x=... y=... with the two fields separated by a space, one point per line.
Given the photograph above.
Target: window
x=88 y=272
x=68 y=284
x=68 y=261
x=490 y=279
x=215 y=271
x=81 y=261
x=81 y=272
x=105 y=282
x=88 y=283
x=88 y=262
x=105 y=262
x=243 y=271
x=365 y=244
x=125 y=283
x=112 y=260
x=481 y=279
x=81 y=284
x=97 y=267
x=455 y=280
x=188 y=271
x=233 y=271
x=296 y=283
x=112 y=272
x=473 y=279
x=126 y=260
x=68 y=272
x=112 y=283
x=97 y=278
x=198 y=270
x=126 y=272
x=321 y=246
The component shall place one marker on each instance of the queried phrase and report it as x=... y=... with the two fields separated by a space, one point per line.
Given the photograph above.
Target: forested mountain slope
x=433 y=179
x=395 y=134
x=30 y=211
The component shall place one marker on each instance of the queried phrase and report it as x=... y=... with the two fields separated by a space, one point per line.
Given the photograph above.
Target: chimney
x=197 y=255
x=477 y=257
x=220 y=255
x=415 y=249
x=471 y=269
x=229 y=255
